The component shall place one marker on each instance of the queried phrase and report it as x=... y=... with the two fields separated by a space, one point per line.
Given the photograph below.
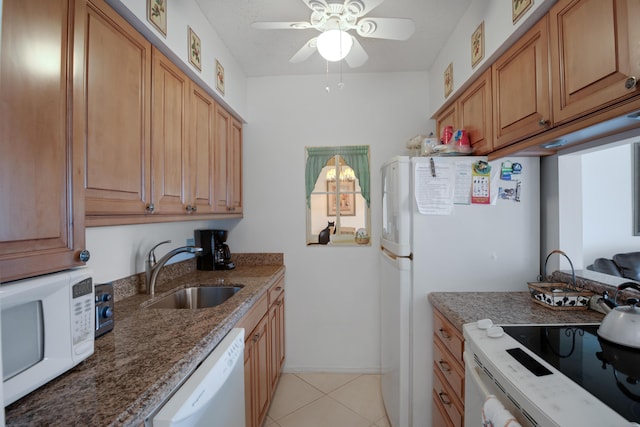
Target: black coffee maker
x=215 y=252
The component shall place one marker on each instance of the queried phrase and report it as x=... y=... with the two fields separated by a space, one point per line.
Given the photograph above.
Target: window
x=337 y=183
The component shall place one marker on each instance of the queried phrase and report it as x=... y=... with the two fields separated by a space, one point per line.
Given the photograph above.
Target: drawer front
x=449 y=368
x=449 y=336
x=439 y=417
x=250 y=320
x=275 y=291
x=446 y=396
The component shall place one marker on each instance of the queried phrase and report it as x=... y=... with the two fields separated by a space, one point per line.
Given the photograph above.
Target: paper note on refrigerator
x=433 y=188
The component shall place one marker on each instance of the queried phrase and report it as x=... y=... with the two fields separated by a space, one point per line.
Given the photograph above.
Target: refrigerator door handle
x=394 y=256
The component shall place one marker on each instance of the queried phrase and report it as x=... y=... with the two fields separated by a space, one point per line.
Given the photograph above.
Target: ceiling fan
x=334 y=19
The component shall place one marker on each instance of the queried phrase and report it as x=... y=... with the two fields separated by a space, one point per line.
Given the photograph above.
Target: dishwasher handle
x=475 y=375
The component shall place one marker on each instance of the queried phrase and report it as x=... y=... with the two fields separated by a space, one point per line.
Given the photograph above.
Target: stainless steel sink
x=196 y=297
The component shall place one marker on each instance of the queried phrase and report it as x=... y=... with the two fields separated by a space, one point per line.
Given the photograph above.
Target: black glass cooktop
x=608 y=371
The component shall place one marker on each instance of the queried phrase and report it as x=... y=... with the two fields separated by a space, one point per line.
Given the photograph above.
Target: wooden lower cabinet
x=263 y=352
x=448 y=373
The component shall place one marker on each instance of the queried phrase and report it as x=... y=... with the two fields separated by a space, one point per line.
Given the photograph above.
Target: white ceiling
x=267 y=52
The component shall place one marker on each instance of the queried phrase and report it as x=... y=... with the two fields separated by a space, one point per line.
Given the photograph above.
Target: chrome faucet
x=152 y=268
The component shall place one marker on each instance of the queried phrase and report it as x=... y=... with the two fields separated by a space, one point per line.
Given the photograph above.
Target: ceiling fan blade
x=357 y=56
x=305 y=52
x=320 y=6
x=281 y=25
x=386 y=28
x=361 y=7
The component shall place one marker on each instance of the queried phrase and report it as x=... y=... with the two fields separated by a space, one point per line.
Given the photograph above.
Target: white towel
x=494 y=414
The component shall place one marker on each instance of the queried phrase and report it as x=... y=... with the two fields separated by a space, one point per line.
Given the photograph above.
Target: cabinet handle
x=278 y=288
x=84 y=255
x=630 y=83
x=444 y=334
x=543 y=123
x=256 y=337
x=444 y=365
x=444 y=398
x=193 y=208
x=151 y=207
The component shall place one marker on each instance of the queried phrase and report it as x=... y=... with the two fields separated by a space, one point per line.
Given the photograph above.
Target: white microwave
x=47 y=328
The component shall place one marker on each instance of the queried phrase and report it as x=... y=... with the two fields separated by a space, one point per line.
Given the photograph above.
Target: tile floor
x=323 y=399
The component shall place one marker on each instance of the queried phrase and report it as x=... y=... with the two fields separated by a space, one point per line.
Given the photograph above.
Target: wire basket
x=558 y=295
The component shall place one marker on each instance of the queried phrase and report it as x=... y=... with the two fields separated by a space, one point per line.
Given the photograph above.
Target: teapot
x=622 y=324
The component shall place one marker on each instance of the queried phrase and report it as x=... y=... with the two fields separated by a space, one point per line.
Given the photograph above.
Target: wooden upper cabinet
x=595 y=54
x=234 y=171
x=202 y=116
x=169 y=137
x=41 y=166
x=228 y=163
x=474 y=111
x=117 y=116
x=447 y=117
x=521 y=90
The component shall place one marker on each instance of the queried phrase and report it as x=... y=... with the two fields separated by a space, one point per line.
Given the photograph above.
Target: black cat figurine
x=323 y=236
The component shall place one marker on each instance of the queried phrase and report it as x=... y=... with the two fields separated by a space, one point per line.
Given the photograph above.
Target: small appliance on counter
x=47 y=329
x=104 y=308
x=215 y=252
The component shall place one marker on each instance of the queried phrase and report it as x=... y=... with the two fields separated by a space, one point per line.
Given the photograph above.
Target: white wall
x=332 y=308
x=608 y=203
x=180 y=15
x=500 y=33
x=118 y=252
x=595 y=203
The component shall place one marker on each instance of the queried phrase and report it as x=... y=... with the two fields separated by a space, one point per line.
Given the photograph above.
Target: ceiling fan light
x=334 y=45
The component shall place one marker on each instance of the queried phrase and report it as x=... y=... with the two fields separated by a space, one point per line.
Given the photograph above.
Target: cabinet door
x=276 y=338
x=169 y=144
x=520 y=78
x=234 y=166
x=447 y=118
x=594 y=51
x=257 y=346
x=475 y=114
x=222 y=121
x=41 y=170
x=117 y=113
x=202 y=115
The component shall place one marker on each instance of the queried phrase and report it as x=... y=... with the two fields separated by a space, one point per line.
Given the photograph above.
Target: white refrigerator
x=435 y=240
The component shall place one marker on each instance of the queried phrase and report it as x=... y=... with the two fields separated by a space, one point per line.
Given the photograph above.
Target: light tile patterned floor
x=322 y=400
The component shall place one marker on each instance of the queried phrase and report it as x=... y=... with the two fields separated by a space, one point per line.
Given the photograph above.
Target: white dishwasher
x=213 y=395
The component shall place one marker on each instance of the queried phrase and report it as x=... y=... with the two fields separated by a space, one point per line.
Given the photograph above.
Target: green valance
x=356 y=156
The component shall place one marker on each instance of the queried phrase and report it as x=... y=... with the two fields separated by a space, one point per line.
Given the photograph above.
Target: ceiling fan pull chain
x=327 y=86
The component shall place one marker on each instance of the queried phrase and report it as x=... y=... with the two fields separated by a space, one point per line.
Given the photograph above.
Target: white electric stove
x=549 y=375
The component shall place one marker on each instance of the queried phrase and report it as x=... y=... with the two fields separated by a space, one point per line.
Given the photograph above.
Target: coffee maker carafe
x=216 y=254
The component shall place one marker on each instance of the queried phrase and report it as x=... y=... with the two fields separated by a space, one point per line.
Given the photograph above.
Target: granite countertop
x=503 y=308
x=136 y=366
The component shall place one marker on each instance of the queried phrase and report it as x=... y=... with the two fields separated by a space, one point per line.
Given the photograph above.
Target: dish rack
x=559 y=295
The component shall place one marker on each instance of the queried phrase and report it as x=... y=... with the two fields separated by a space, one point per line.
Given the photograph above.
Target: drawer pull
x=444 y=365
x=444 y=398
x=630 y=83
x=444 y=334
